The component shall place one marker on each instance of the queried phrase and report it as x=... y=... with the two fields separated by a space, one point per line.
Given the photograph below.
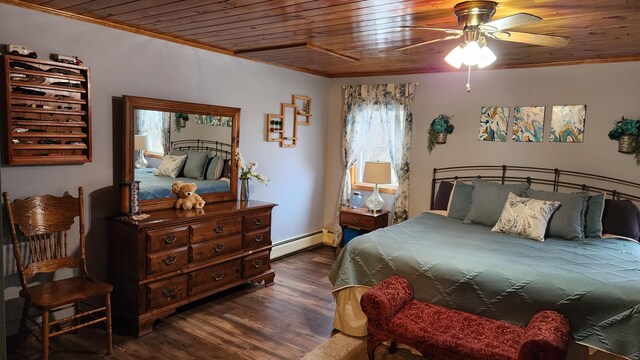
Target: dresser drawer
x=215 y=248
x=257 y=220
x=166 y=292
x=167 y=260
x=257 y=239
x=357 y=221
x=255 y=264
x=217 y=228
x=159 y=240
x=215 y=276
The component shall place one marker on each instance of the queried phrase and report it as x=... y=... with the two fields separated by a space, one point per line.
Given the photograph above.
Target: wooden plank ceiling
x=338 y=38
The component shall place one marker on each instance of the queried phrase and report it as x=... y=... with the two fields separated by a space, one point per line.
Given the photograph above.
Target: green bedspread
x=595 y=283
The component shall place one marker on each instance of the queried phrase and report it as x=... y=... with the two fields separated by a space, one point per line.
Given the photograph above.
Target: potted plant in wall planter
x=181 y=121
x=627 y=133
x=440 y=128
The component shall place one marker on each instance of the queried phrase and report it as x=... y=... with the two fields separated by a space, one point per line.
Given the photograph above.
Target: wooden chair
x=44 y=222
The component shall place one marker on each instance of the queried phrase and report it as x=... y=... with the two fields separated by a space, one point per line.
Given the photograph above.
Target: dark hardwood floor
x=284 y=321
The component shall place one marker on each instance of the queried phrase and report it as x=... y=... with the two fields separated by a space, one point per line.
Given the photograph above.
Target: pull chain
x=469 y=79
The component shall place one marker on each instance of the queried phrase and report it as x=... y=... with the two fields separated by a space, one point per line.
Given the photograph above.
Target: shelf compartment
x=50 y=160
x=47 y=99
x=48 y=135
x=48 y=147
x=50 y=87
x=47 y=74
x=46 y=111
x=47 y=123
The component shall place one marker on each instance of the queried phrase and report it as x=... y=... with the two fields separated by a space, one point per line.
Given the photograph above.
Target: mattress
x=159 y=187
x=595 y=283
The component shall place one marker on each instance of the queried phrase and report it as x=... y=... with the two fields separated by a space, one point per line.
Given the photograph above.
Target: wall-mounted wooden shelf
x=284 y=130
x=47 y=123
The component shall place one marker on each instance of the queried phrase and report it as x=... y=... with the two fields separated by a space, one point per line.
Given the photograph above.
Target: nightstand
x=363 y=220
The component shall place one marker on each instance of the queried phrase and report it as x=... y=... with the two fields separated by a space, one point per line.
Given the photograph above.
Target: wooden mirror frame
x=132 y=103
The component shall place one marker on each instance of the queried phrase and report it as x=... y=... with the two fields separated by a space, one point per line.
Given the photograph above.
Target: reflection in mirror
x=200 y=149
x=169 y=141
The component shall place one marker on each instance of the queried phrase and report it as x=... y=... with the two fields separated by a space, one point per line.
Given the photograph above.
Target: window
x=147 y=121
x=376 y=149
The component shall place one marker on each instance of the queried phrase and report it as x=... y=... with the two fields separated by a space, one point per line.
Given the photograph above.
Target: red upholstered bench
x=442 y=333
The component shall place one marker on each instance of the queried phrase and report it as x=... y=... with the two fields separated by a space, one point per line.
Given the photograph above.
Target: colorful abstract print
x=567 y=123
x=528 y=123
x=493 y=123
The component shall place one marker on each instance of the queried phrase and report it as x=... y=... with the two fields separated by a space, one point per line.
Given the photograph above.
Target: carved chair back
x=43 y=221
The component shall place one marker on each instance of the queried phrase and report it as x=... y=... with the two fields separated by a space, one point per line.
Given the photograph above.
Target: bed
x=159 y=187
x=595 y=282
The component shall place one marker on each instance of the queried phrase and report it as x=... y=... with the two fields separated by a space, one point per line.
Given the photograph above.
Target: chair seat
x=443 y=333
x=67 y=291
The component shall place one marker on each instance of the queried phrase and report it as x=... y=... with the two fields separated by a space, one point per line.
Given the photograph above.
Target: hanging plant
x=181 y=121
x=440 y=127
x=627 y=133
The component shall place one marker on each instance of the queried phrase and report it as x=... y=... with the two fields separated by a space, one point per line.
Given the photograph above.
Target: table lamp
x=140 y=144
x=376 y=173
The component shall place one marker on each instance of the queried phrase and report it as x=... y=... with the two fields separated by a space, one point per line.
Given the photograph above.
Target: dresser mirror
x=167 y=141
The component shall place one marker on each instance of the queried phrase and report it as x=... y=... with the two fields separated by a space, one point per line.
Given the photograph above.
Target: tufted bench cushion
x=443 y=333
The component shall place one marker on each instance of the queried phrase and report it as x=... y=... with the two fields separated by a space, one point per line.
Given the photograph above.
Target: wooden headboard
x=214 y=147
x=555 y=179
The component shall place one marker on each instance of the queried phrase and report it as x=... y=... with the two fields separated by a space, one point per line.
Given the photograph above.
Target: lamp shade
x=377 y=172
x=141 y=142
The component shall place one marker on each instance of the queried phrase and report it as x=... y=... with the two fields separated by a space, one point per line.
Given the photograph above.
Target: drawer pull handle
x=218 y=276
x=258 y=238
x=257 y=221
x=169 y=259
x=169 y=239
x=354 y=220
x=219 y=229
x=218 y=247
x=170 y=292
x=257 y=263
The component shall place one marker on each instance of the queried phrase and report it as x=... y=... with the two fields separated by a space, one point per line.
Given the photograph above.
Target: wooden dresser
x=174 y=257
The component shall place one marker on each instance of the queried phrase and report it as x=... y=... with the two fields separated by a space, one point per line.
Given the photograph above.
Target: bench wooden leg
x=371 y=348
x=393 y=348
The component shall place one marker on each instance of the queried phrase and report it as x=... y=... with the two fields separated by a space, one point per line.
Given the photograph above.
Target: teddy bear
x=187 y=197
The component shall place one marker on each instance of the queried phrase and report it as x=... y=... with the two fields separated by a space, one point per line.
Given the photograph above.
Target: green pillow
x=195 y=165
x=460 y=200
x=568 y=221
x=488 y=199
x=593 y=216
x=214 y=169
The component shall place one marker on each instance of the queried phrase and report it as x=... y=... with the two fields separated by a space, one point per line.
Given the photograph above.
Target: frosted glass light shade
x=377 y=172
x=454 y=58
x=471 y=53
x=486 y=57
x=141 y=142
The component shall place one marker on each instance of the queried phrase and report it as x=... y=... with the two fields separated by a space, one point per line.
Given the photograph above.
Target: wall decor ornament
x=567 y=123
x=440 y=127
x=493 y=123
x=627 y=133
x=284 y=129
x=528 y=123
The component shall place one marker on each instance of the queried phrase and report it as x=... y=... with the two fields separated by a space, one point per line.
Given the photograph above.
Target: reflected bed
x=159 y=187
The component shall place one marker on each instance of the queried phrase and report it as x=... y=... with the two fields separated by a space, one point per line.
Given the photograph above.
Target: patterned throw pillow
x=525 y=217
x=171 y=165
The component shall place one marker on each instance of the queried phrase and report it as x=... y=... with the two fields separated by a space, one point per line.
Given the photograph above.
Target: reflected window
x=147 y=124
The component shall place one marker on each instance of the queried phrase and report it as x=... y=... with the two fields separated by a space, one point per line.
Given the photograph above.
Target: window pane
x=376 y=149
x=150 y=124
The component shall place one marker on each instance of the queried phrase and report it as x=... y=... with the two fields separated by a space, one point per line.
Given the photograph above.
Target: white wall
x=609 y=91
x=125 y=63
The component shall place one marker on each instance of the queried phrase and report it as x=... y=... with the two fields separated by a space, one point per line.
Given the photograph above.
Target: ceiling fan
x=474 y=20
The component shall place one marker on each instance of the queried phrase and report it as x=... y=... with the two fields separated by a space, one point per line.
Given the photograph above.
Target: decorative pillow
x=195 y=165
x=171 y=165
x=487 y=201
x=593 y=216
x=460 y=200
x=441 y=201
x=226 y=169
x=178 y=152
x=622 y=218
x=568 y=221
x=525 y=217
x=215 y=168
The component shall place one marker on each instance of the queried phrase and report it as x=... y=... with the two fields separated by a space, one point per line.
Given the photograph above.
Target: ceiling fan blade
x=519 y=19
x=448 y=31
x=535 y=39
x=428 y=42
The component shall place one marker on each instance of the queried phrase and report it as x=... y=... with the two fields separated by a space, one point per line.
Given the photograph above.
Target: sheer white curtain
x=357 y=113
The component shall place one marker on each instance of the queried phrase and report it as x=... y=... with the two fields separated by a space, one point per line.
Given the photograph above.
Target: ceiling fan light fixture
x=471 y=53
x=486 y=57
x=454 y=58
